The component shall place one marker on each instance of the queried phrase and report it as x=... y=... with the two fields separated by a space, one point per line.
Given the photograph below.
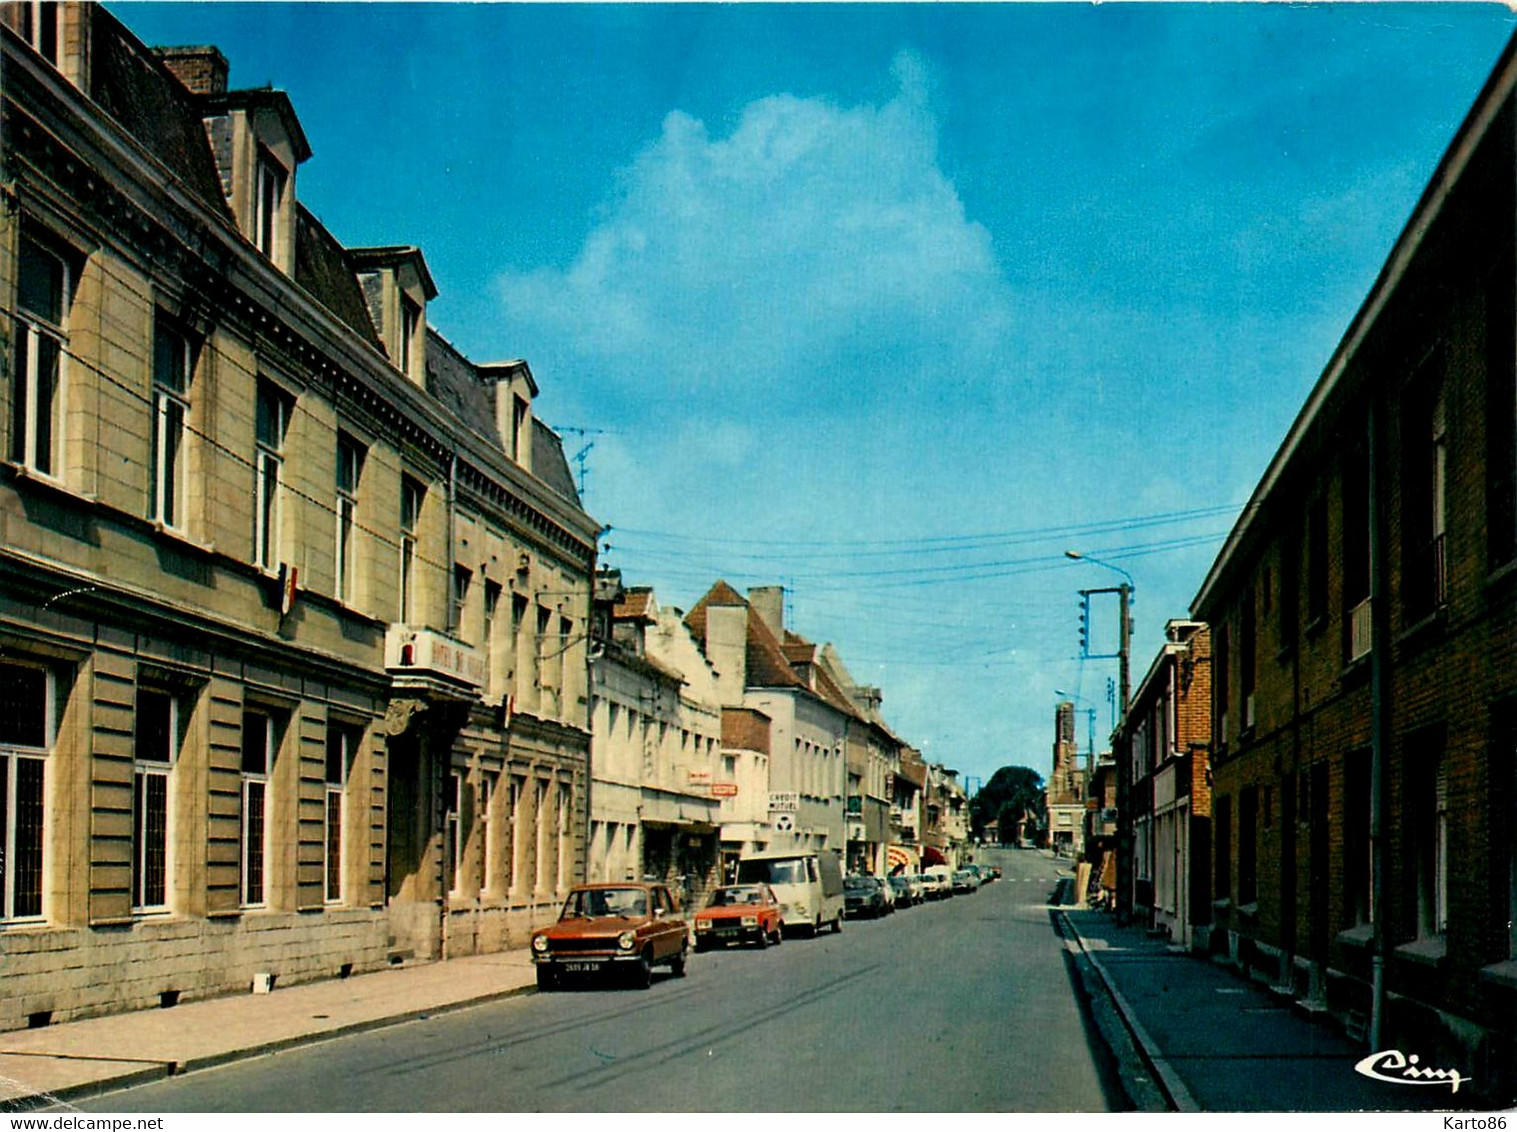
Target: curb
x=1169 y=1082
x=161 y=1070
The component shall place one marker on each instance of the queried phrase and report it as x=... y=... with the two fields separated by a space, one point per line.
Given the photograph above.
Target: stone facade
x=267 y=709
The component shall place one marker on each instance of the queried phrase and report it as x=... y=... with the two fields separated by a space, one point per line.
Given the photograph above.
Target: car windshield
x=727 y=897
x=787 y=871
x=593 y=902
x=858 y=884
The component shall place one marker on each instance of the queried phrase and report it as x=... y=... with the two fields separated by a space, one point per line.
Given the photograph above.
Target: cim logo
x=1401 y=1069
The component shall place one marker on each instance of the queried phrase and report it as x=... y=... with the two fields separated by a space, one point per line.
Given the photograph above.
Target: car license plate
x=580 y=968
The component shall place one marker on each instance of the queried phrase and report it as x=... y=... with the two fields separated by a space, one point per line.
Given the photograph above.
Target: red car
x=610 y=928
x=746 y=913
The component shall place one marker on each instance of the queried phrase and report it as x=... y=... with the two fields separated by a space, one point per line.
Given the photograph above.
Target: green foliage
x=1010 y=793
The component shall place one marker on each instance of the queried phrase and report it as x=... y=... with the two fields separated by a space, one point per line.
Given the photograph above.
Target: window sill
x=181 y=538
x=1361 y=935
x=1357 y=670
x=1249 y=911
x=1315 y=625
x=1501 y=577
x=1429 y=951
x=1222 y=905
x=1502 y=974
x=1424 y=631
x=50 y=483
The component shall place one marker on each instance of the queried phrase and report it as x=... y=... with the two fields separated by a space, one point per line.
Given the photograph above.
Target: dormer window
x=39 y=27
x=268 y=193
x=410 y=323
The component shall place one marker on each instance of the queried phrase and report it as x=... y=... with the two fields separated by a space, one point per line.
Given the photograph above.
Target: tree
x=1011 y=792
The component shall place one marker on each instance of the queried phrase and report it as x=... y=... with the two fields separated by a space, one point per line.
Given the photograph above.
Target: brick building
x=292 y=594
x=1364 y=629
x=1162 y=749
x=1064 y=798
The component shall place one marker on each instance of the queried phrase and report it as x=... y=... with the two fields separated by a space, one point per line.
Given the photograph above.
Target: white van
x=809 y=885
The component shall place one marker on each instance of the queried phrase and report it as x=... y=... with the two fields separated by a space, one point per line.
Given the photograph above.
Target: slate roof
x=323 y=269
x=451 y=378
x=134 y=87
x=549 y=464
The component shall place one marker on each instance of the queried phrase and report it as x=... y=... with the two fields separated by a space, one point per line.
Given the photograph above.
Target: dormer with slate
x=397 y=286
x=257 y=142
x=514 y=390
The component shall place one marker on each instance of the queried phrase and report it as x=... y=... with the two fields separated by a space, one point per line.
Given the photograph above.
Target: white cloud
x=816 y=253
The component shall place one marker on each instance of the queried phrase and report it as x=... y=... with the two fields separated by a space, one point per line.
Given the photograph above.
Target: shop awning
x=931 y=856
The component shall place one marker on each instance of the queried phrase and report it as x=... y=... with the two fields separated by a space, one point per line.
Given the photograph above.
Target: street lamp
x=1124 y=786
x=1126 y=592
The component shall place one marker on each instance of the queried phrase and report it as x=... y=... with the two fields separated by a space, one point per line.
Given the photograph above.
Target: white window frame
x=413 y=496
x=11 y=757
x=145 y=770
x=268 y=478
x=453 y=822
x=344 y=560
x=488 y=785
x=269 y=180
x=36 y=15
x=335 y=796
x=33 y=330
x=256 y=782
x=171 y=412
x=410 y=321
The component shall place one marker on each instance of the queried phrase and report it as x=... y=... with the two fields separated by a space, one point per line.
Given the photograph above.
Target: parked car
x=935 y=886
x=907 y=889
x=964 y=880
x=945 y=875
x=864 y=896
x=741 y=913
x=809 y=885
x=611 y=928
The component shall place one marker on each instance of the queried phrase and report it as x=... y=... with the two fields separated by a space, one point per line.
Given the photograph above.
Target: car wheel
x=677 y=964
x=547 y=978
x=642 y=972
x=763 y=939
x=779 y=935
x=816 y=928
x=837 y=924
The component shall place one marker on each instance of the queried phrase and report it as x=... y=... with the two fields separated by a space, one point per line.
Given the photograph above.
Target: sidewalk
x=1218 y=1042
x=77 y=1059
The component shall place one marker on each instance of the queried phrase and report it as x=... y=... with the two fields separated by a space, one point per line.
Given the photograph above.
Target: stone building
x=1363 y=617
x=292 y=595
x=746 y=643
x=656 y=735
x=1161 y=747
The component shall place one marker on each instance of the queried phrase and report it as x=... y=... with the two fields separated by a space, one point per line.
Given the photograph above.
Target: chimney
x=727 y=649
x=769 y=603
x=202 y=70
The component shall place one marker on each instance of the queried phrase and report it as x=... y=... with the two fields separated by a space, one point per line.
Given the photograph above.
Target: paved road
x=962 y=1005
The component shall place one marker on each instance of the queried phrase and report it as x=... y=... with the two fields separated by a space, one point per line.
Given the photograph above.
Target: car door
x=669 y=930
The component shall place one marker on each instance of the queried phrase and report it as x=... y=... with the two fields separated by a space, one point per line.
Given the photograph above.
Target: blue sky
x=891 y=304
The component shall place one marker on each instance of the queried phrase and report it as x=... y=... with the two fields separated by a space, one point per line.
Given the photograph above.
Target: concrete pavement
x=85 y=1058
x=1215 y=1041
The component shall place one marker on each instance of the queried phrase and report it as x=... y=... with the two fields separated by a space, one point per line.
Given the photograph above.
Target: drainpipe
x=1380 y=643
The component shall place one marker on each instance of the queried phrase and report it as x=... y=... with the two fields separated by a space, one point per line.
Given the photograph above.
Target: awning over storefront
x=900 y=859
x=931 y=856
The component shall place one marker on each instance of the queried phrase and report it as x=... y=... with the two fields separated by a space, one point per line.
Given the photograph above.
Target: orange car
x=606 y=928
x=748 y=913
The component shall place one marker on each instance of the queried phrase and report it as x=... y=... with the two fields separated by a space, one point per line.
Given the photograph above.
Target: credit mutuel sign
x=784 y=801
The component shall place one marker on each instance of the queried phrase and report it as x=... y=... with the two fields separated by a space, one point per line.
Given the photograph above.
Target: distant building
x=656 y=735
x=1162 y=747
x=1064 y=798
